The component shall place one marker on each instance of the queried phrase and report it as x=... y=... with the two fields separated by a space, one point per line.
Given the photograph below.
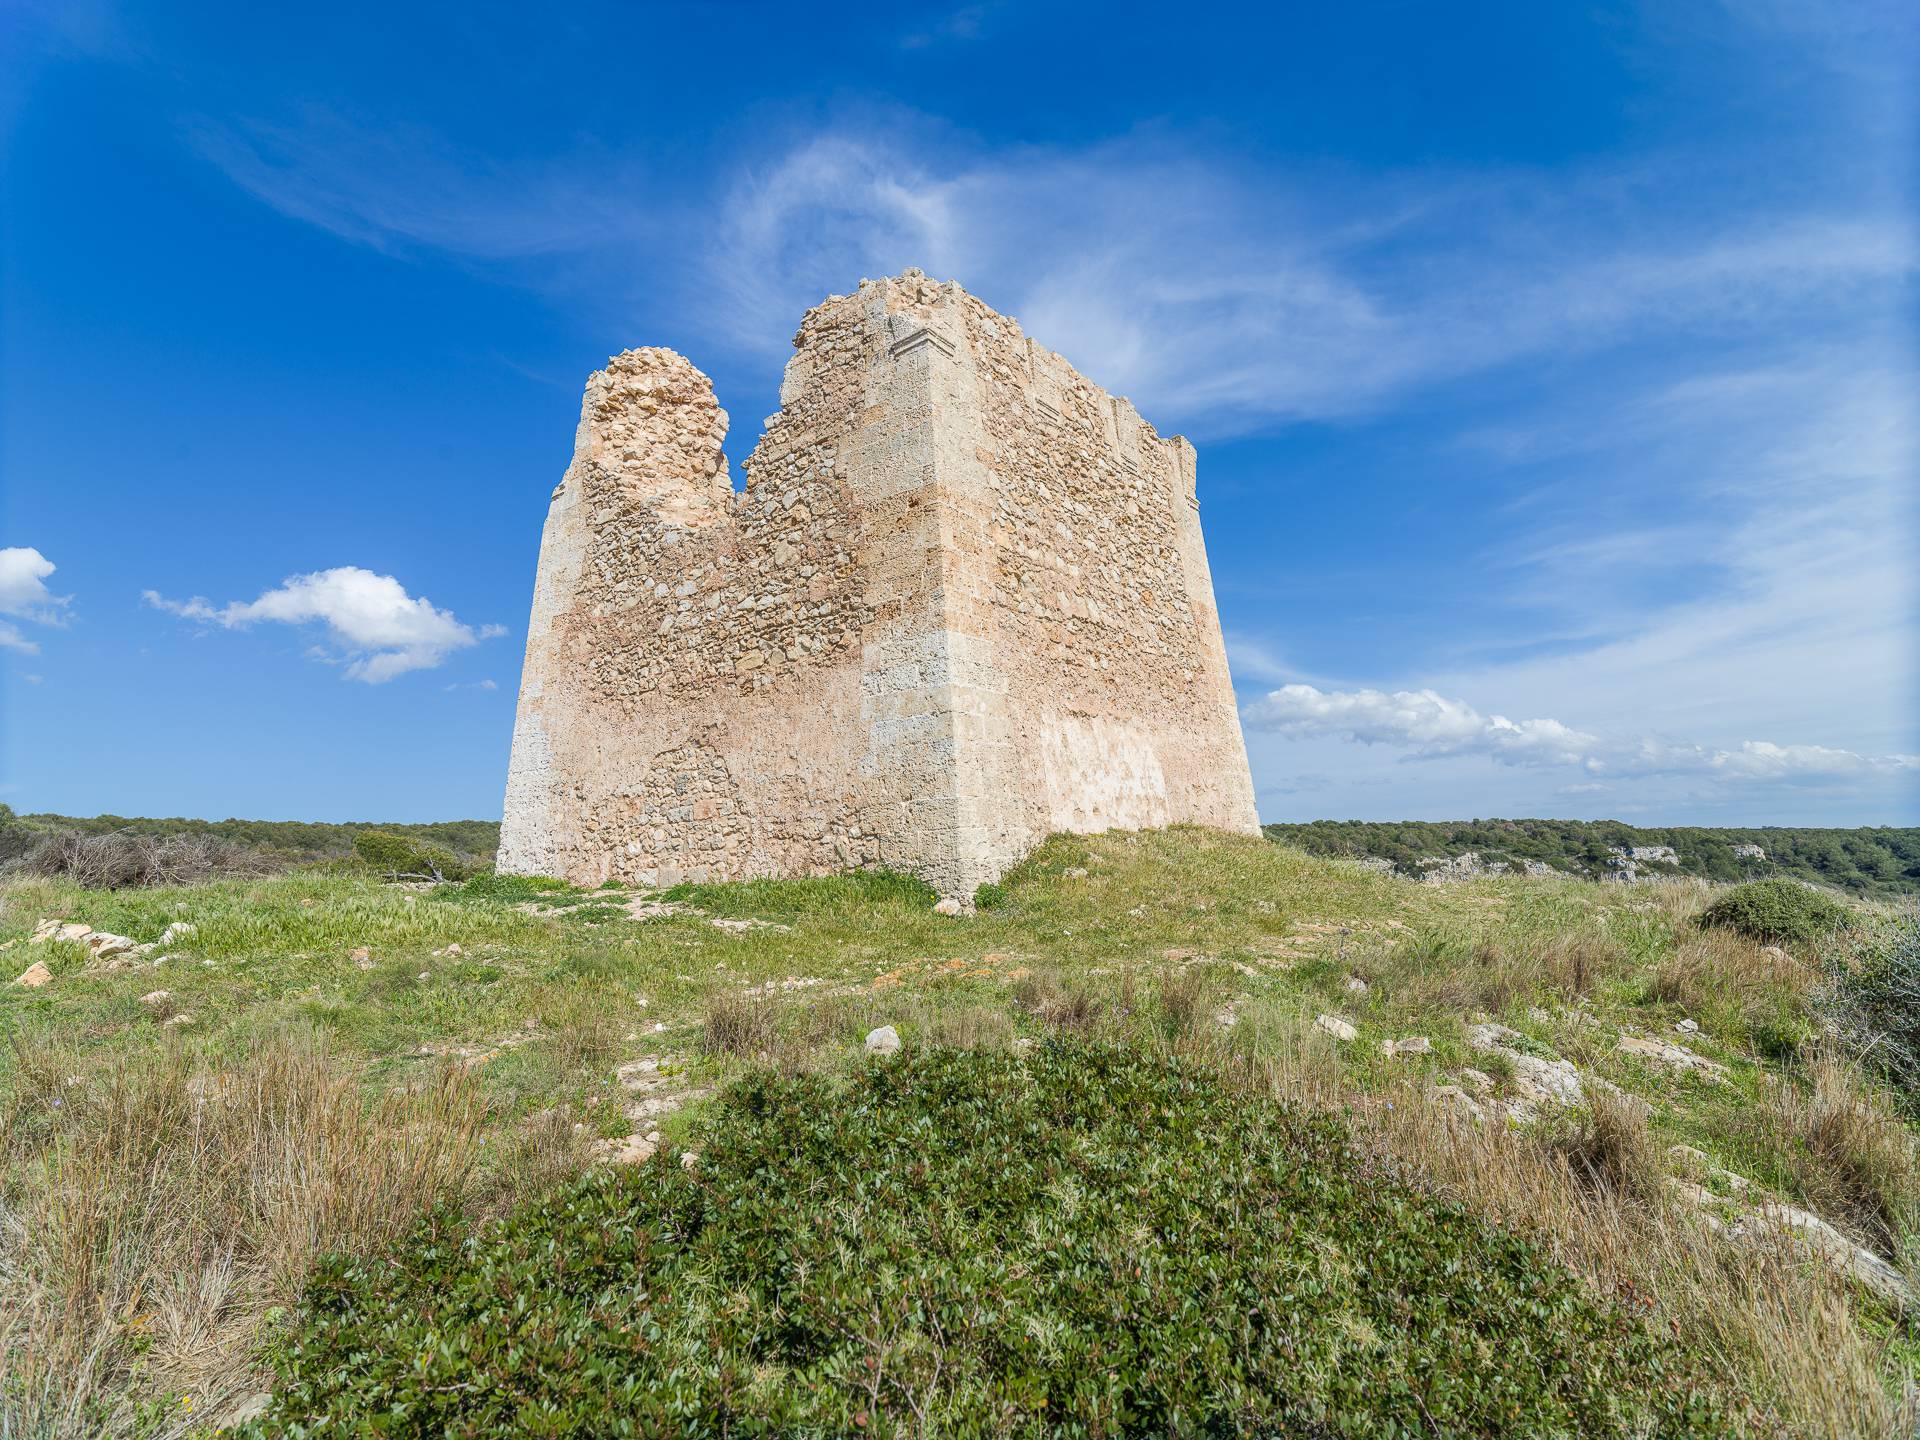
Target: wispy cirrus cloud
x=1221 y=295
x=375 y=627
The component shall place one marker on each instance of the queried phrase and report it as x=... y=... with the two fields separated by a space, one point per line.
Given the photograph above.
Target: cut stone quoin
x=962 y=603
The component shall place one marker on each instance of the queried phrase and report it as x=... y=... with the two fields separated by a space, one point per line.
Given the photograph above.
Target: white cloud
x=378 y=629
x=1427 y=724
x=24 y=595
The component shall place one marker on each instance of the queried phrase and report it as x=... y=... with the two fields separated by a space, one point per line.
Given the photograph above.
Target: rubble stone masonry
x=962 y=603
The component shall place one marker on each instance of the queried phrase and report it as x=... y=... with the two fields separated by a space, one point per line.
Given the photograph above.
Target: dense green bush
x=1880 y=860
x=1782 y=911
x=1872 y=994
x=403 y=855
x=1079 y=1241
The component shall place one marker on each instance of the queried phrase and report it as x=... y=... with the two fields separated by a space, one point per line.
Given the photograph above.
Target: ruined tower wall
x=962 y=603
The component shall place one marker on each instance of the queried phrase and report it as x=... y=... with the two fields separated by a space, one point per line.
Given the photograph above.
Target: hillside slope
x=321 y=1059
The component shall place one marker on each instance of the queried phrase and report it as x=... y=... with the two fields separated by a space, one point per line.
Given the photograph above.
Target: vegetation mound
x=1780 y=911
x=1079 y=1240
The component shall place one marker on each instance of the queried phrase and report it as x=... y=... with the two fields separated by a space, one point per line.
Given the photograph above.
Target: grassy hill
x=1191 y=1133
x=1882 y=861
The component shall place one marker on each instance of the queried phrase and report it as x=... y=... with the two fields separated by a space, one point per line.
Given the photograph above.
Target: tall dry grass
x=1781 y=1331
x=1845 y=1150
x=159 y=1213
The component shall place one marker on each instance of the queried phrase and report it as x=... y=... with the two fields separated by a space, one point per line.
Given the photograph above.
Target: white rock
x=1817 y=1236
x=174 y=1022
x=105 y=946
x=1688 y=1027
x=1354 y=985
x=55 y=931
x=947 y=907
x=1336 y=1027
x=153 y=999
x=627 y=1150
x=34 y=976
x=883 y=1041
x=178 y=930
x=1675 y=1057
x=1456 y=1099
x=1412 y=1045
x=454 y=952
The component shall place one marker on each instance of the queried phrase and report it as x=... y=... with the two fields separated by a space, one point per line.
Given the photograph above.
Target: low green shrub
x=1078 y=1241
x=402 y=856
x=1780 y=911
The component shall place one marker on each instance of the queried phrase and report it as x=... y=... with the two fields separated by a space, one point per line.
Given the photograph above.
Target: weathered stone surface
x=1538 y=1081
x=35 y=975
x=1674 y=1057
x=1336 y=1027
x=883 y=1041
x=962 y=603
x=1412 y=1045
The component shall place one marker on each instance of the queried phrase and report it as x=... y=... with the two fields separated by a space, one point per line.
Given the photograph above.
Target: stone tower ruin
x=962 y=603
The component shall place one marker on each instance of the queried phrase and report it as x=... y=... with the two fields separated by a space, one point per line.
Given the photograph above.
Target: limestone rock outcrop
x=962 y=602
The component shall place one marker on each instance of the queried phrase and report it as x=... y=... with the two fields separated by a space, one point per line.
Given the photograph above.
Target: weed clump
x=1778 y=911
x=972 y=1244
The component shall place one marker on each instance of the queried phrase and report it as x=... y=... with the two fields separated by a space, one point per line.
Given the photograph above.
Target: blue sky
x=1552 y=366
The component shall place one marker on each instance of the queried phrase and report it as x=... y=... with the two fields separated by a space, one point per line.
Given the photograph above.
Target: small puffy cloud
x=24 y=595
x=1427 y=724
x=373 y=626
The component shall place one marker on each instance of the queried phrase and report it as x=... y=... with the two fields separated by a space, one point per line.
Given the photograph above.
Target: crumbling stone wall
x=963 y=602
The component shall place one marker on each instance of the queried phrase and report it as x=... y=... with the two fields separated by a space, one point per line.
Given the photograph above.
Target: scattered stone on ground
x=1075 y=872
x=740 y=927
x=1687 y=1027
x=1336 y=1027
x=1354 y=985
x=54 y=931
x=1814 y=1235
x=1539 y=1082
x=883 y=1041
x=648 y=1078
x=111 y=947
x=1453 y=1098
x=154 y=999
x=177 y=930
x=1674 y=1057
x=1412 y=1045
x=626 y=1150
x=947 y=907
x=174 y=1022
x=34 y=976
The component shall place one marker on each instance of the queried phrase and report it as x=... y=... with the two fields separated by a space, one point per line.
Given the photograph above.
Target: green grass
x=1162 y=936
